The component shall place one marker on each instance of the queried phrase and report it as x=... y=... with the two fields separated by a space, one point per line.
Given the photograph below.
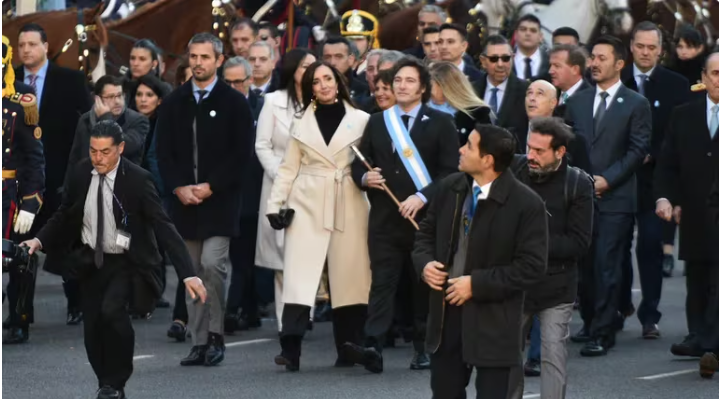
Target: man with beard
x=204 y=140
x=568 y=194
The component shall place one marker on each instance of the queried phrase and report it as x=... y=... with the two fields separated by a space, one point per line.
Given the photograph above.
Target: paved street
x=53 y=364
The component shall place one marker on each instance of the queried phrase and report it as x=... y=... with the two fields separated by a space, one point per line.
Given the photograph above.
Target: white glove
x=24 y=222
x=319 y=34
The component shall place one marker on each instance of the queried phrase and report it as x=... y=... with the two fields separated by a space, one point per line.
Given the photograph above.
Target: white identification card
x=123 y=240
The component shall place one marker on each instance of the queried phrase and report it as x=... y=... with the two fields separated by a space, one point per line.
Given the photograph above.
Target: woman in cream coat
x=278 y=115
x=330 y=226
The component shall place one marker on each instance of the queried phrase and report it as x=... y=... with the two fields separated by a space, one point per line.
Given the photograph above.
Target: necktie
x=528 y=73
x=257 y=92
x=201 y=95
x=406 y=120
x=33 y=80
x=713 y=126
x=474 y=201
x=100 y=224
x=600 y=111
x=494 y=100
x=642 y=84
x=564 y=97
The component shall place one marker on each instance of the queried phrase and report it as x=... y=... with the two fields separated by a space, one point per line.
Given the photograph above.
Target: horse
x=74 y=37
x=583 y=15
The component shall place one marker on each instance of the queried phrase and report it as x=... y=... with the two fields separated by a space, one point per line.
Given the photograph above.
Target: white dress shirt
x=519 y=61
x=501 y=91
x=638 y=75
x=572 y=90
x=485 y=190
x=90 y=215
x=262 y=88
x=611 y=95
x=462 y=65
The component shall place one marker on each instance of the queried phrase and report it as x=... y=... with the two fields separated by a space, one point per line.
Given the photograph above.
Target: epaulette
x=30 y=105
x=698 y=87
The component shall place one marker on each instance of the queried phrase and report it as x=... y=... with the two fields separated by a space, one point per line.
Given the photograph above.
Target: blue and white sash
x=406 y=148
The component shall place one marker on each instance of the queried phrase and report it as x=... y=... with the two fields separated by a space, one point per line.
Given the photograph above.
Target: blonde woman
x=453 y=94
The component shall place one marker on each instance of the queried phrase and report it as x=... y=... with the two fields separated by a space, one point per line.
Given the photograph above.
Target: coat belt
x=334 y=205
x=9 y=174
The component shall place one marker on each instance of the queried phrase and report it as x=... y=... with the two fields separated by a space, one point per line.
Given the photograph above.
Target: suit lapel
x=509 y=98
x=47 y=86
x=119 y=188
x=614 y=108
x=419 y=124
x=346 y=134
x=585 y=100
x=308 y=132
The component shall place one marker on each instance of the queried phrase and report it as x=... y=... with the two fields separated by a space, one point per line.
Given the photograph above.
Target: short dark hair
x=647 y=26
x=498 y=143
x=619 y=50
x=528 y=18
x=155 y=84
x=307 y=84
x=33 y=27
x=205 y=37
x=431 y=29
x=423 y=75
x=107 y=128
x=566 y=31
x=274 y=32
x=495 y=40
x=690 y=35
x=106 y=80
x=335 y=39
x=576 y=55
x=386 y=76
x=245 y=22
x=560 y=133
x=456 y=27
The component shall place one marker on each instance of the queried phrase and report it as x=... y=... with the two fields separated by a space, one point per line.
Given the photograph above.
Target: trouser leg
x=449 y=374
x=387 y=264
x=554 y=352
x=649 y=253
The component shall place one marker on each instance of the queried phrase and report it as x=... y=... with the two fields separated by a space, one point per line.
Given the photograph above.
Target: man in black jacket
x=483 y=242
x=568 y=194
x=390 y=236
x=115 y=256
x=204 y=144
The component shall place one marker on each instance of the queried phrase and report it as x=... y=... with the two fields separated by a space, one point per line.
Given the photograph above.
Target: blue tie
x=493 y=101
x=713 y=126
x=474 y=201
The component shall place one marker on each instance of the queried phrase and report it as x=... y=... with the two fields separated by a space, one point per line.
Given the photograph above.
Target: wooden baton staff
x=385 y=188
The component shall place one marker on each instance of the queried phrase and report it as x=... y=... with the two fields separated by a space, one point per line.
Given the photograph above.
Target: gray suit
x=616 y=149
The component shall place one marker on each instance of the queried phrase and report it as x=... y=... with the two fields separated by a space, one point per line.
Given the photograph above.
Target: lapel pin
x=620 y=100
x=656 y=104
x=212 y=114
x=425 y=118
x=463 y=130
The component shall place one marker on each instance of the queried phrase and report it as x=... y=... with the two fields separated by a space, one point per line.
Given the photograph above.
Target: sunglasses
x=236 y=82
x=494 y=58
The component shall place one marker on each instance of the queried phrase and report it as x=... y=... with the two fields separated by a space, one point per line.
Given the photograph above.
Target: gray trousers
x=211 y=265
x=554 y=354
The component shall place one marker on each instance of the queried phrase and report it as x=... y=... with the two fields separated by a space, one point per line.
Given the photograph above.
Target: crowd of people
x=465 y=205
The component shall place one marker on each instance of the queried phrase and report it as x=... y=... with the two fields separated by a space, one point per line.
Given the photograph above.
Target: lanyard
x=124 y=219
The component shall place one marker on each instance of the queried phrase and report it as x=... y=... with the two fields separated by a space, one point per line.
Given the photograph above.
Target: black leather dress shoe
x=581 y=336
x=290 y=353
x=708 y=366
x=369 y=358
x=689 y=347
x=420 y=361
x=162 y=303
x=196 y=356
x=597 y=347
x=178 y=331
x=74 y=318
x=668 y=265
x=216 y=350
x=291 y=364
x=323 y=312
x=17 y=335
x=650 y=331
x=532 y=368
x=108 y=392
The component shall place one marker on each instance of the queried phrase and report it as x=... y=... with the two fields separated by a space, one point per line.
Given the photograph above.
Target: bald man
x=541 y=101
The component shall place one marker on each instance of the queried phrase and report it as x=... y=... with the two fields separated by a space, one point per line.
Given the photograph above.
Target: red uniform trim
x=11 y=216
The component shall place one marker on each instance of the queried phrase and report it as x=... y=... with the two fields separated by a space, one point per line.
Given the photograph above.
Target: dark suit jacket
x=685 y=173
x=225 y=146
x=512 y=110
x=146 y=222
x=665 y=90
x=619 y=147
x=507 y=252
x=135 y=129
x=65 y=98
x=560 y=110
x=438 y=148
x=471 y=72
x=465 y=123
x=578 y=148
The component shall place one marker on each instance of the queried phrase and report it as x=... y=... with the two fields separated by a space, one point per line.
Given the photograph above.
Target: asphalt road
x=54 y=365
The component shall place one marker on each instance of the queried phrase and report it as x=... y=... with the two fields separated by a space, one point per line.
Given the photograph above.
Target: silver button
x=708 y=154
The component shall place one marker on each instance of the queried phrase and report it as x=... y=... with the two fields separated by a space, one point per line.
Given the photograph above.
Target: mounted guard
x=362 y=28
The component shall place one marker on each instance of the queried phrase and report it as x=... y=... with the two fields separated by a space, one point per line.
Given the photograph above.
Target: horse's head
x=618 y=15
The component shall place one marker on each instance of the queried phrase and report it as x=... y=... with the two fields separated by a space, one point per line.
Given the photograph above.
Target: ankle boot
x=348 y=324
x=290 y=352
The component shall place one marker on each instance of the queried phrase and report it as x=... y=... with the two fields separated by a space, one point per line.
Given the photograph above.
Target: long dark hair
x=291 y=61
x=154 y=51
x=307 y=84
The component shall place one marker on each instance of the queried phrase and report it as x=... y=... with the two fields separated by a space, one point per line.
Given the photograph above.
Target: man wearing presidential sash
x=411 y=148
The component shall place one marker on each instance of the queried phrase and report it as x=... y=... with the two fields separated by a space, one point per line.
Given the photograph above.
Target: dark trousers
x=702 y=302
x=180 y=309
x=347 y=326
x=450 y=375
x=247 y=280
x=71 y=288
x=389 y=259
x=109 y=335
x=612 y=233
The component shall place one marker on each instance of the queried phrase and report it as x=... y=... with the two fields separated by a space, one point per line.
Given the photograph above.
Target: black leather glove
x=276 y=221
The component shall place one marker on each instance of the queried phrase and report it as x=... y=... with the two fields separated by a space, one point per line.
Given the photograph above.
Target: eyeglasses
x=263 y=37
x=494 y=58
x=237 y=81
x=115 y=97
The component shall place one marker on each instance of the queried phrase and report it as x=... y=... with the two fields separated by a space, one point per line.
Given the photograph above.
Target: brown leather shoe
x=650 y=331
x=708 y=366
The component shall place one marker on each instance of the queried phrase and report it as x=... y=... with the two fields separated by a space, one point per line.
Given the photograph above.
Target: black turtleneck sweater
x=328 y=117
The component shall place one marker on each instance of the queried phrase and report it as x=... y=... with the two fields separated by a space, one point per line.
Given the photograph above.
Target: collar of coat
x=501 y=186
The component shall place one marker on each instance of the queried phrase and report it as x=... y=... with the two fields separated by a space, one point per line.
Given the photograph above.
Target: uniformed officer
x=361 y=28
x=23 y=176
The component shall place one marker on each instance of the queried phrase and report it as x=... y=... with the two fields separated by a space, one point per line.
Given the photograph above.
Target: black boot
x=348 y=322
x=17 y=335
x=196 y=356
x=290 y=352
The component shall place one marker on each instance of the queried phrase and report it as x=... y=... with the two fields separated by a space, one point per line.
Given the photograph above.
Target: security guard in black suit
x=23 y=180
x=357 y=25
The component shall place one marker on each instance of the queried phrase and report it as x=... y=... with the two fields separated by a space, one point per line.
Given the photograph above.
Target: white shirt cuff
x=185 y=280
x=422 y=197
x=364 y=180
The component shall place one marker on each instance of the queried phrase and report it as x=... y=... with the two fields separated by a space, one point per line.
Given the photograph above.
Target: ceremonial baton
x=385 y=188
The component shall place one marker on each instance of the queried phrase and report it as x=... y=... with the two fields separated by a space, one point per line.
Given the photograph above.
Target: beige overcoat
x=331 y=213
